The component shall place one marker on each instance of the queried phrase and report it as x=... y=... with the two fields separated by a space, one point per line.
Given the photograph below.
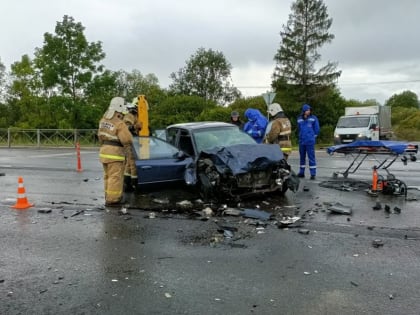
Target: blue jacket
x=256 y=124
x=308 y=128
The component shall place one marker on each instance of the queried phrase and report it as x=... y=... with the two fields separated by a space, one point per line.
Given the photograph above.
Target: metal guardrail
x=15 y=137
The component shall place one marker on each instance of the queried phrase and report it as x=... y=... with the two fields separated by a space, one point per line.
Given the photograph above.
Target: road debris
x=232 y=212
x=184 y=204
x=354 y=283
x=77 y=213
x=256 y=214
x=288 y=222
x=340 y=208
x=377 y=243
x=163 y=201
x=397 y=210
x=208 y=212
x=44 y=210
x=377 y=206
x=303 y=231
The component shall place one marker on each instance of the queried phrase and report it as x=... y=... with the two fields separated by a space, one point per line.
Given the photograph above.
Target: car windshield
x=353 y=122
x=220 y=137
x=153 y=148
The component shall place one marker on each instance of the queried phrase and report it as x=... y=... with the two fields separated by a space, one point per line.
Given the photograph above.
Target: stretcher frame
x=385 y=153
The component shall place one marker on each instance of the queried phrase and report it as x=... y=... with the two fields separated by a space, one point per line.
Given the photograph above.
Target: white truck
x=364 y=123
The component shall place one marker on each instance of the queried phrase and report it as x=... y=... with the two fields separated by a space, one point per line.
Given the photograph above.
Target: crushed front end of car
x=243 y=170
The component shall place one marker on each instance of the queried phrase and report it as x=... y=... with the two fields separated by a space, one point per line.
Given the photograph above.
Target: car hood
x=242 y=158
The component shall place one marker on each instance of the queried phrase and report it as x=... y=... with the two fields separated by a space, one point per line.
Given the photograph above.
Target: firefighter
x=116 y=142
x=279 y=129
x=134 y=126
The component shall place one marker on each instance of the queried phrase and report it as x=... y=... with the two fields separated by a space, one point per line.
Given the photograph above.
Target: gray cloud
x=375 y=41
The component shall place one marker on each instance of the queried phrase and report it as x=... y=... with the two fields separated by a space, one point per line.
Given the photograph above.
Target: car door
x=164 y=163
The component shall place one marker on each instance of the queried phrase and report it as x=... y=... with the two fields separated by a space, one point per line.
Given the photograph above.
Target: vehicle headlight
x=279 y=181
x=361 y=135
x=336 y=135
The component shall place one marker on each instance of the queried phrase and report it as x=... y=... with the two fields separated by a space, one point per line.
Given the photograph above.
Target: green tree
x=67 y=61
x=306 y=31
x=100 y=91
x=2 y=80
x=207 y=74
x=25 y=94
x=132 y=84
x=406 y=99
x=177 y=109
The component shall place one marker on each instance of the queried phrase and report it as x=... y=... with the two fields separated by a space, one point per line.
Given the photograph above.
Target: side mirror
x=373 y=126
x=180 y=155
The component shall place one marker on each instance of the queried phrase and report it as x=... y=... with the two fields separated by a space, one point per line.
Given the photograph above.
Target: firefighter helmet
x=117 y=104
x=274 y=109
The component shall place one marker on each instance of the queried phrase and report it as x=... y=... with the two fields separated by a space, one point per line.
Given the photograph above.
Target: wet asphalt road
x=83 y=259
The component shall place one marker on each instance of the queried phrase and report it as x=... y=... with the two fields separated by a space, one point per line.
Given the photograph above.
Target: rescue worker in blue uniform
x=256 y=124
x=308 y=129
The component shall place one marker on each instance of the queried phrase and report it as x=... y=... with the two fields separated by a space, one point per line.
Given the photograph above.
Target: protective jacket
x=280 y=132
x=256 y=124
x=132 y=123
x=134 y=127
x=115 y=138
x=308 y=127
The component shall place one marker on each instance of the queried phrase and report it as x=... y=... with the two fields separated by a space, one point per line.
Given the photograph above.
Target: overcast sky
x=376 y=45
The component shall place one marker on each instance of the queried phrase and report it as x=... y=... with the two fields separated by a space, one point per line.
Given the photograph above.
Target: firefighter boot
x=128 y=187
x=134 y=183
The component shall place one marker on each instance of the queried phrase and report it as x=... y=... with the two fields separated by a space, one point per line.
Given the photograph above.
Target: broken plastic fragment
x=256 y=214
x=289 y=220
x=340 y=208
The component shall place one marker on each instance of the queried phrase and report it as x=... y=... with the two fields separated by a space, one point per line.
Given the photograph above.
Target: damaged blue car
x=228 y=163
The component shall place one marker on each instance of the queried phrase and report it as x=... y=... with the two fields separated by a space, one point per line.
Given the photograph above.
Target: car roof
x=201 y=125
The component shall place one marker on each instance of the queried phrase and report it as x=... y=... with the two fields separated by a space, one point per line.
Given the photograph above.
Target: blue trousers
x=307 y=149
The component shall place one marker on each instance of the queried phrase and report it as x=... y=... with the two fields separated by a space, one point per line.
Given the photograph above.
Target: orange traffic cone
x=21 y=202
x=79 y=161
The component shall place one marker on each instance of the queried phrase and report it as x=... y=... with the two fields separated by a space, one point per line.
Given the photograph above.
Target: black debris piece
x=370 y=228
x=397 y=210
x=387 y=209
x=303 y=231
x=1 y=280
x=354 y=283
x=86 y=179
x=377 y=206
x=377 y=243
x=305 y=188
x=77 y=213
x=44 y=210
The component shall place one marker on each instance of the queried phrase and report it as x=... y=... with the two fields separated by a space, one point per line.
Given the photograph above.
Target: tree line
x=64 y=84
